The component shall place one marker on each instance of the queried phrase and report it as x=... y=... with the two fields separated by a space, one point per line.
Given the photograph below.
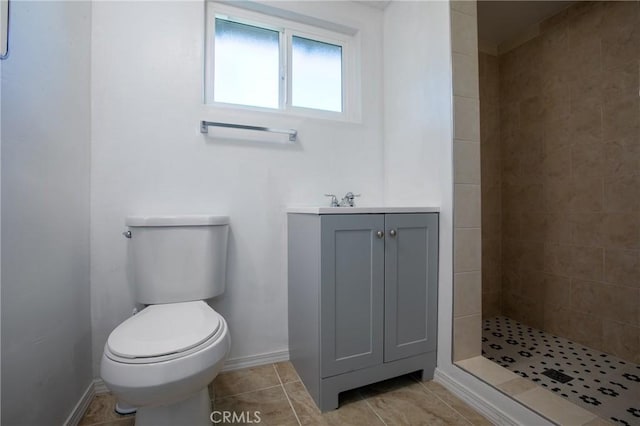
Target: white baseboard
x=255 y=360
x=99 y=388
x=486 y=408
x=81 y=407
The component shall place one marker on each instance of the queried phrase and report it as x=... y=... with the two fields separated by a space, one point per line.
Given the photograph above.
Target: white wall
x=149 y=158
x=417 y=104
x=46 y=329
x=0 y=234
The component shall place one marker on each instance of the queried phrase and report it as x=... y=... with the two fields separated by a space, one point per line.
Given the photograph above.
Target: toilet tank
x=178 y=258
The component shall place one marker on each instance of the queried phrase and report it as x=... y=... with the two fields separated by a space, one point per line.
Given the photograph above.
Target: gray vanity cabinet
x=362 y=299
x=352 y=293
x=411 y=276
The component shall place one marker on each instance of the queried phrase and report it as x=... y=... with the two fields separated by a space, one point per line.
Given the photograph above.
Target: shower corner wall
x=560 y=162
x=467 y=320
x=491 y=188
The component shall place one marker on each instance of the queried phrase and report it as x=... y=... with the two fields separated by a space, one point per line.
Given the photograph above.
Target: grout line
x=286 y=395
x=246 y=392
x=366 y=401
x=442 y=400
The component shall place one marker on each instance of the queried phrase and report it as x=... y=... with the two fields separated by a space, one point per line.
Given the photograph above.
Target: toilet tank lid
x=186 y=220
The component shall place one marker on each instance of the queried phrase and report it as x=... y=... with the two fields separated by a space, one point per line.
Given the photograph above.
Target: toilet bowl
x=162 y=359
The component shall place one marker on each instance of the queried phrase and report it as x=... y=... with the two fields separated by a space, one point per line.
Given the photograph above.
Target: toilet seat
x=164 y=332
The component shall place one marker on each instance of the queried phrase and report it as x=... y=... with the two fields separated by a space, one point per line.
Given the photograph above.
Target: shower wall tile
x=621 y=193
x=622 y=230
x=467 y=202
x=465 y=75
x=585 y=329
x=468 y=171
x=620 y=304
x=557 y=291
x=587 y=160
x=558 y=228
x=620 y=82
x=556 y=321
x=587 y=263
x=491 y=304
x=622 y=267
x=587 y=194
x=557 y=259
x=623 y=339
x=467 y=294
x=464 y=32
x=557 y=134
x=587 y=229
x=466 y=165
x=620 y=118
x=569 y=161
x=622 y=157
x=491 y=188
x=556 y=161
x=467 y=335
x=467 y=251
x=465 y=6
x=586 y=297
x=466 y=119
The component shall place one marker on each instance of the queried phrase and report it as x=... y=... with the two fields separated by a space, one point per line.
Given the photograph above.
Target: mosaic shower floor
x=601 y=383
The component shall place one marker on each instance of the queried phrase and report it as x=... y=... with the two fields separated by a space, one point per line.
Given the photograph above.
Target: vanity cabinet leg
x=426 y=374
x=329 y=400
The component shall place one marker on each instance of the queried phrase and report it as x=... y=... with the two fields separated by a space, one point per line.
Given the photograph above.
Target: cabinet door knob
x=380 y=234
x=392 y=232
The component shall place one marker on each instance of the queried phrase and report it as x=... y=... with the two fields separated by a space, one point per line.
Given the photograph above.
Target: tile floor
x=276 y=391
x=603 y=384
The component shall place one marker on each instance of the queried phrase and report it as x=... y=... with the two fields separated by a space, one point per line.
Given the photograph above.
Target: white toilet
x=162 y=359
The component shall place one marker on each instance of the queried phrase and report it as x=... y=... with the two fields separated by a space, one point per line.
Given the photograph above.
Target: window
x=316 y=74
x=247 y=65
x=260 y=61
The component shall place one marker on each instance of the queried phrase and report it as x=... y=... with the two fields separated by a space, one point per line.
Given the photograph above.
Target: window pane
x=317 y=75
x=247 y=65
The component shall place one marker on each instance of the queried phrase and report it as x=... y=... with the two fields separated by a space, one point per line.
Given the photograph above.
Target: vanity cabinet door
x=352 y=292
x=411 y=277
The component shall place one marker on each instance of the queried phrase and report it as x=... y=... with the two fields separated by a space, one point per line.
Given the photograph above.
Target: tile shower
x=560 y=164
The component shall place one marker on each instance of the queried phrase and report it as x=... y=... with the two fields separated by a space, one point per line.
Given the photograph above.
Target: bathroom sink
x=360 y=210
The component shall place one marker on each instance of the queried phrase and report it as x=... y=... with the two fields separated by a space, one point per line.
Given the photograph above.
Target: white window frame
x=287 y=29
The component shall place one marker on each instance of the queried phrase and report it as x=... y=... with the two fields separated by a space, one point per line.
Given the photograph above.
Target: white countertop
x=360 y=210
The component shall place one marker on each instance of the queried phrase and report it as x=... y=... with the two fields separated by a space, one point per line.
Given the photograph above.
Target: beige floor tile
x=516 y=386
x=286 y=372
x=457 y=404
x=400 y=404
x=598 y=422
x=128 y=421
x=487 y=370
x=245 y=380
x=271 y=405
x=553 y=407
x=101 y=411
x=353 y=409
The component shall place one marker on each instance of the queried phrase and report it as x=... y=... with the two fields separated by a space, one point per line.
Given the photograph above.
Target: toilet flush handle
x=127 y=234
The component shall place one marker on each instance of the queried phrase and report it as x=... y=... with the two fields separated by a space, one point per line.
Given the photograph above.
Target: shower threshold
x=603 y=384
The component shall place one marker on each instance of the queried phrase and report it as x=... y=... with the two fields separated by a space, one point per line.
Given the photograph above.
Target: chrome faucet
x=348 y=200
x=334 y=200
